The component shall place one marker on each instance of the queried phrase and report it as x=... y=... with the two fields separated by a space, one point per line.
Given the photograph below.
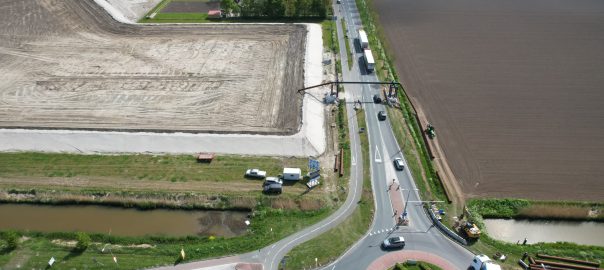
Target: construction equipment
x=471 y=230
x=430 y=131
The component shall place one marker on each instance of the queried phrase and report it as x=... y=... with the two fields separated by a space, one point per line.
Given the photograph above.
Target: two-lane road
x=420 y=234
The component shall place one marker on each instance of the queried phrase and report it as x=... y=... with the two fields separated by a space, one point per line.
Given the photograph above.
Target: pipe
x=565 y=265
x=544 y=256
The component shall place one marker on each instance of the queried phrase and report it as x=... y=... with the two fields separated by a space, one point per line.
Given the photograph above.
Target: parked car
x=272 y=180
x=394 y=242
x=377 y=99
x=255 y=173
x=273 y=188
x=382 y=115
x=483 y=262
x=398 y=164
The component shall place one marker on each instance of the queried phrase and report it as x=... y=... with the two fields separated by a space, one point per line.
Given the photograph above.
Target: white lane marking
x=378 y=157
x=353 y=161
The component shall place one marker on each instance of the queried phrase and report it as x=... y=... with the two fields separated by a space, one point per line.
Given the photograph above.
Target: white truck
x=255 y=173
x=363 y=40
x=483 y=262
x=369 y=61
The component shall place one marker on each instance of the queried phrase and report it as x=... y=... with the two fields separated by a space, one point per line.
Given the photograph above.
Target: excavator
x=471 y=230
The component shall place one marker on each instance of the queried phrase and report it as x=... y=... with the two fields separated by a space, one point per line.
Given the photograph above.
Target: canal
x=121 y=221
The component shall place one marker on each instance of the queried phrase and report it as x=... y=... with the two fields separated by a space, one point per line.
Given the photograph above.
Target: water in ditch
x=121 y=221
x=515 y=231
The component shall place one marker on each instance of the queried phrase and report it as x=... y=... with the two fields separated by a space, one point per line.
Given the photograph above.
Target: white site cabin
x=292 y=174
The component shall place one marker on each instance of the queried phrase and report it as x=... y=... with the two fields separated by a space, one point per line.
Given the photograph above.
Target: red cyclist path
x=392 y=258
x=396 y=198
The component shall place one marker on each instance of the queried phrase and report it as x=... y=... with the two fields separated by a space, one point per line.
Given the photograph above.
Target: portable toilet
x=292 y=174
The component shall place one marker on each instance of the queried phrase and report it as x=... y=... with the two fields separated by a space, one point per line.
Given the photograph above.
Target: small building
x=214 y=14
x=292 y=174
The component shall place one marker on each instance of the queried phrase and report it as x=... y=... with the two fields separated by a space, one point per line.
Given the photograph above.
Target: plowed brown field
x=513 y=87
x=68 y=64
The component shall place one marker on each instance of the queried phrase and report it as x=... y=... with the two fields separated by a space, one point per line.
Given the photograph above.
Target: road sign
x=313 y=164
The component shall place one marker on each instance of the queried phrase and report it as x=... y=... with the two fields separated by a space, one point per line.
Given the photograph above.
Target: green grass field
x=183 y=168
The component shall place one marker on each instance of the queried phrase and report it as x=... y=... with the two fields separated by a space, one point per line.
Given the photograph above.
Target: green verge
x=518 y=208
x=418 y=265
x=161 y=250
x=336 y=241
x=347 y=42
x=178 y=18
x=329 y=35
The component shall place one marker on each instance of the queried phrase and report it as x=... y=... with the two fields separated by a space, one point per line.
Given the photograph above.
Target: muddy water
x=120 y=221
x=509 y=230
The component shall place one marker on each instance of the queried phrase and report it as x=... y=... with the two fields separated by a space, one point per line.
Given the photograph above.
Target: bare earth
x=514 y=89
x=68 y=65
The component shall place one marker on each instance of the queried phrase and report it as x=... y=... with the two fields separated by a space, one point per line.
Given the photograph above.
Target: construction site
x=70 y=65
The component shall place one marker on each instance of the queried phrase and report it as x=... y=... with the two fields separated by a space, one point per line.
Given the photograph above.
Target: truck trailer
x=363 y=40
x=369 y=61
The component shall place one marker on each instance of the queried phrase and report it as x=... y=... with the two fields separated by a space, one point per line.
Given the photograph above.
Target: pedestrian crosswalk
x=387 y=230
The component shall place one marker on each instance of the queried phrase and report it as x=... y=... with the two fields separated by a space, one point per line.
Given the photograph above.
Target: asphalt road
x=420 y=234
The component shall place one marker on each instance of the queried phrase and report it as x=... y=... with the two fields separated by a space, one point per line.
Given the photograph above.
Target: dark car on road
x=377 y=99
x=398 y=164
x=382 y=115
x=394 y=242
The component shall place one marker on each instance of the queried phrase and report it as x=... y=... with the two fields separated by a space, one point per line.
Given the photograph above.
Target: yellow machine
x=471 y=230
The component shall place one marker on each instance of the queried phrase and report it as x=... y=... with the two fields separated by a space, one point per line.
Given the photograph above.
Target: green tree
x=290 y=8
x=250 y=8
x=302 y=8
x=12 y=239
x=273 y=8
x=83 y=241
x=317 y=8
x=229 y=6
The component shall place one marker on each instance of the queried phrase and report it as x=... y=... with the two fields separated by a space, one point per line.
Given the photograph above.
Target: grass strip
x=173 y=168
x=336 y=241
x=347 y=42
x=330 y=36
x=177 y=18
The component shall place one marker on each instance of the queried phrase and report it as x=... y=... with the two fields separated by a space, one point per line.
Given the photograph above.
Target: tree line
x=276 y=8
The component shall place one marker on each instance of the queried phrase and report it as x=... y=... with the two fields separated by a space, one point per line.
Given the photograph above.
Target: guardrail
x=446 y=230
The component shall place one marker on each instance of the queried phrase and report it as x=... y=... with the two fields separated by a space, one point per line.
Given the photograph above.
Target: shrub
x=12 y=240
x=83 y=241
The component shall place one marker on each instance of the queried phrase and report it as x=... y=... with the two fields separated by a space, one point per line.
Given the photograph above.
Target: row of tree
x=276 y=8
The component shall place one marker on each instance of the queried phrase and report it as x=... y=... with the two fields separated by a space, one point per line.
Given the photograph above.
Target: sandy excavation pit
x=68 y=65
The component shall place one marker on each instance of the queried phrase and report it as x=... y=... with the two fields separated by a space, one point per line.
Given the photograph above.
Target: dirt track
x=67 y=64
x=514 y=89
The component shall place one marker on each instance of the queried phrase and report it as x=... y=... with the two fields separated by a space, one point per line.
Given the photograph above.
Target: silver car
x=394 y=242
x=398 y=164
